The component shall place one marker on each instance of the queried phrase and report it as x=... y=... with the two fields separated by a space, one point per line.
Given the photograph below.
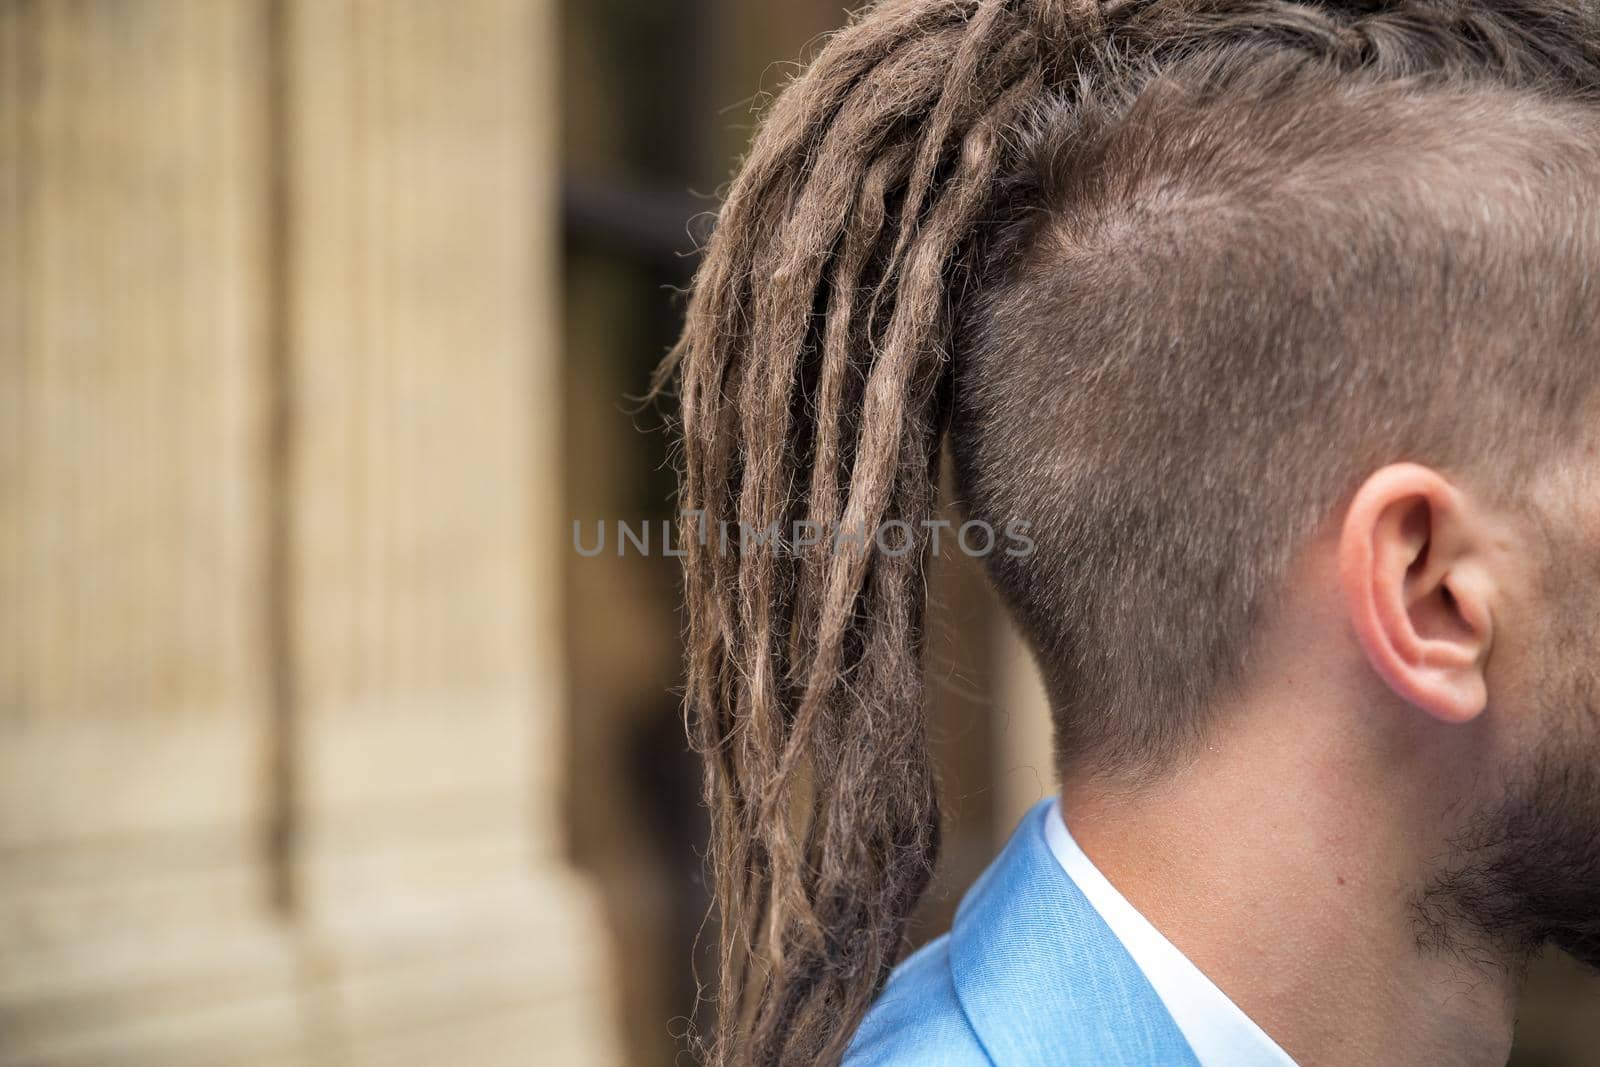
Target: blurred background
x=322 y=328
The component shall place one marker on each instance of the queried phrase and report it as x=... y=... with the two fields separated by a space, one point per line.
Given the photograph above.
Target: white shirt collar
x=1218 y=1031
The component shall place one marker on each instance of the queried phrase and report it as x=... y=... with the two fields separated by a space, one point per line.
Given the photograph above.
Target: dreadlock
x=877 y=204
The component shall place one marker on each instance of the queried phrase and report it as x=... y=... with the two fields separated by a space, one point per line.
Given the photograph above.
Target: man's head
x=1265 y=300
x=1224 y=307
x=1200 y=291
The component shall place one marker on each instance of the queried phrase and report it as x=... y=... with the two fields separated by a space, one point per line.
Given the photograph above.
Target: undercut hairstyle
x=1166 y=278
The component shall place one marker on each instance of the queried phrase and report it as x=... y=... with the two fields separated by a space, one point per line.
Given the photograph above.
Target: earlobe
x=1416 y=590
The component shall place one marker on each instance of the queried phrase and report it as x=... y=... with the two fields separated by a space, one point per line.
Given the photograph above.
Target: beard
x=1525 y=870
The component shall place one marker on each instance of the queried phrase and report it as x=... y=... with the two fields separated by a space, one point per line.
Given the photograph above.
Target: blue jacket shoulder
x=917 y=1019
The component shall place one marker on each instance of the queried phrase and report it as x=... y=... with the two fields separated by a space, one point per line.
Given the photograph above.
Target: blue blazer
x=1028 y=975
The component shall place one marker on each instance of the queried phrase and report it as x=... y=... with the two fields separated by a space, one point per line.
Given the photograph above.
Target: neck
x=1286 y=864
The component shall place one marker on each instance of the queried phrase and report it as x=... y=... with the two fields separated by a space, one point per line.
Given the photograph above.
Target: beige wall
x=280 y=662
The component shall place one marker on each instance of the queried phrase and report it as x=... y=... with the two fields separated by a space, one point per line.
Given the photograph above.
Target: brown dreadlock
x=891 y=192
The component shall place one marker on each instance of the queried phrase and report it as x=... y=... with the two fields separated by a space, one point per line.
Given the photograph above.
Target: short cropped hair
x=1224 y=306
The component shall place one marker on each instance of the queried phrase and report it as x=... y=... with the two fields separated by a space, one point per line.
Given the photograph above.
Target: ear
x=1418 y=589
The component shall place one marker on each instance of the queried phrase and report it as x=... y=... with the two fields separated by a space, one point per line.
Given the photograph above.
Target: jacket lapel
x=1041 y=977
